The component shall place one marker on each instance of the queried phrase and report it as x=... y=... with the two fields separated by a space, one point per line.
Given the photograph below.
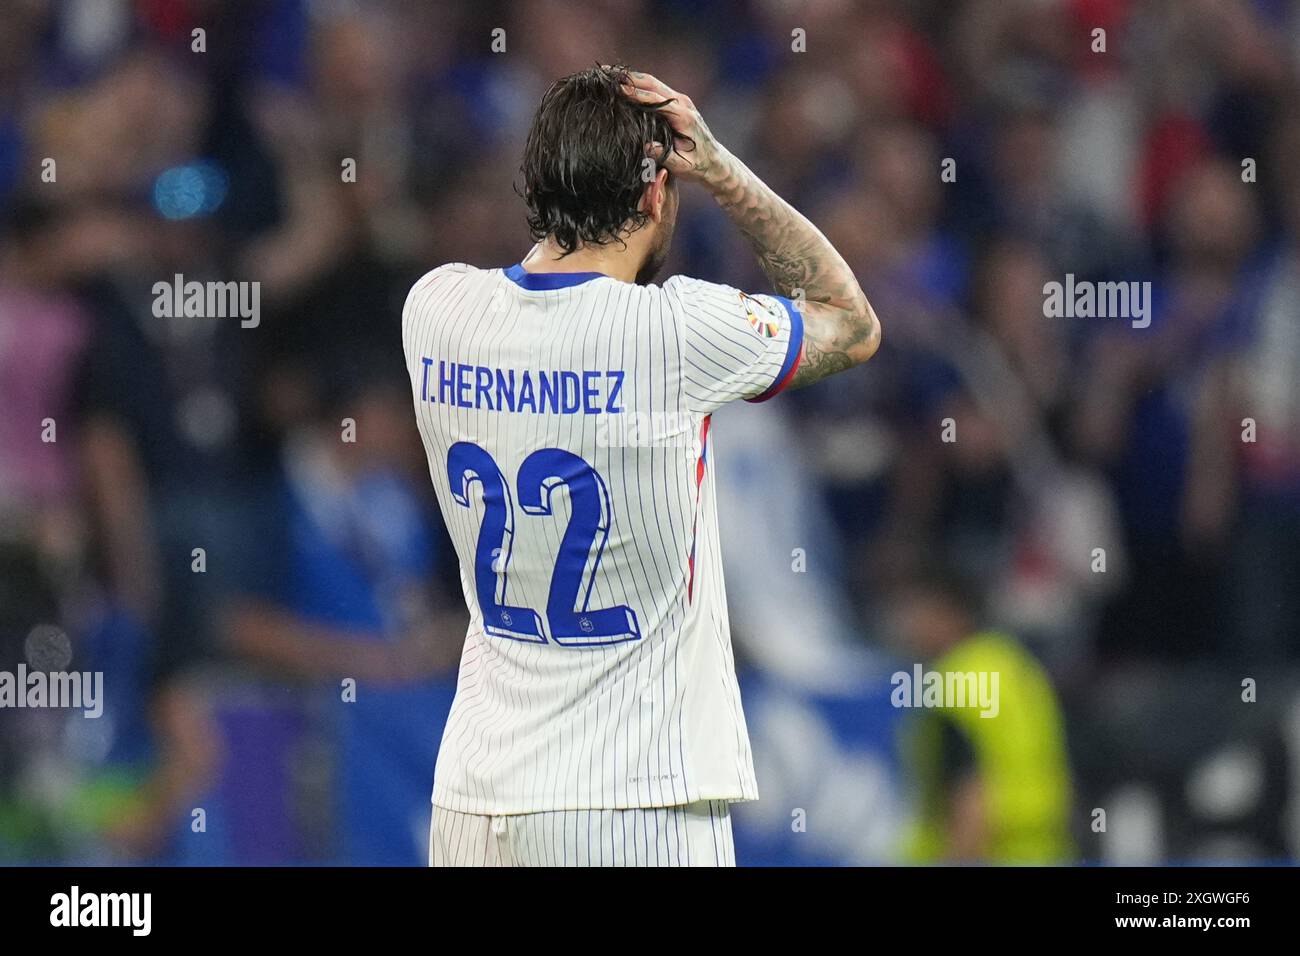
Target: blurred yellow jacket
x=1019 y=755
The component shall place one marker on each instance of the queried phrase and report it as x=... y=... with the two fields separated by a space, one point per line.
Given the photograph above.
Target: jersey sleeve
x=415 y=299
x=736 y=345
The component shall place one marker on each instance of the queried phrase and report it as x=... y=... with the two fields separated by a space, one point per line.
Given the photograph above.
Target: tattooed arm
x=840 y=327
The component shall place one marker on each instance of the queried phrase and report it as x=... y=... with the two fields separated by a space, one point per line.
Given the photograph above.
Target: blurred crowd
x=229 y=522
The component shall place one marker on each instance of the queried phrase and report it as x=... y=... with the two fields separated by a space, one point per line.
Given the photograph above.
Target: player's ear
x=655 y=196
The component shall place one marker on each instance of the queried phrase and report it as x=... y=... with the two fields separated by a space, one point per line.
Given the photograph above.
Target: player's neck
x=615 y=261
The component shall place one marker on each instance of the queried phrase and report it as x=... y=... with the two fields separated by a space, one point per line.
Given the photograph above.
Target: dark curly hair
x=584 y=157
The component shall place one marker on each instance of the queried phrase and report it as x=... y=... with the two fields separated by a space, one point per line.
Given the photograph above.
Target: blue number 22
x=569 y=619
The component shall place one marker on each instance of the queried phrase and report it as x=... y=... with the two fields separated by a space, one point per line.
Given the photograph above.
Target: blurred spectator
x=1140 y=417
x=121 y=785
x=336 y=600
x=1259 y=382
x=992 y=778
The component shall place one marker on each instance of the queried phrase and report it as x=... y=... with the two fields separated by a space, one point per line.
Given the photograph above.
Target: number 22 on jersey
x=568 y=619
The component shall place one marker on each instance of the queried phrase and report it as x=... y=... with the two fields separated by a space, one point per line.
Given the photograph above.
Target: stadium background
x=325 y=560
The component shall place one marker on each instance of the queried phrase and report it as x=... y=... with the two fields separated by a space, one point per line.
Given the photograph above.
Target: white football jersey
x=566 y=420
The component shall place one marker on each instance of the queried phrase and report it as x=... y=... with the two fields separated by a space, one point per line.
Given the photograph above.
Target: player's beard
x=657 y=257
x=663 y=241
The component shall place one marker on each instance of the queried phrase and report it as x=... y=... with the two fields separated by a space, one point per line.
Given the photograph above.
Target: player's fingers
x=678 y=116
x=646 y=81
x=645 y=95
x=642 y=94
x=653 y=97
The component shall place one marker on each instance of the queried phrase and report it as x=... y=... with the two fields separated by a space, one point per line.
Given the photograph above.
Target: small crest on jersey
x=760 y=317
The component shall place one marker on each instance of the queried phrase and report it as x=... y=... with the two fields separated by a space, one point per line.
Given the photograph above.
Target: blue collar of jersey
x=543 y=281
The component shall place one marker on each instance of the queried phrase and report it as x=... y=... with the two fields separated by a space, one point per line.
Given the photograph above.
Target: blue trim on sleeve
x=792 y=349
x=545 y=281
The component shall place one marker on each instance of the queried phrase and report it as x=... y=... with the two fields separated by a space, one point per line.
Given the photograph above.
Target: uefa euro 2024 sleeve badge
x=760 y=317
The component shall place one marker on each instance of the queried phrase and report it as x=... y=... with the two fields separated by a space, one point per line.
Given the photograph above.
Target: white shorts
x=695 y=834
